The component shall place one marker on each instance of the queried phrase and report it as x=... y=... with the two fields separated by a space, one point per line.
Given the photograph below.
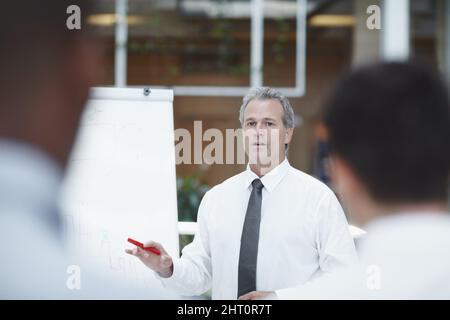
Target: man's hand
x=162 y=264
x=259 y=295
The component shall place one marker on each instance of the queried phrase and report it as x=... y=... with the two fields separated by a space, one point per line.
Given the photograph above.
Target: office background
x=196 y=43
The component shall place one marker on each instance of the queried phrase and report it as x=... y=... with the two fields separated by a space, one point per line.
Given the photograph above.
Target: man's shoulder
x=302 y=179
x=229 y=184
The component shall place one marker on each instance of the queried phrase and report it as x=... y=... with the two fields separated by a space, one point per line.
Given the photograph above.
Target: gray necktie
x=249 y=241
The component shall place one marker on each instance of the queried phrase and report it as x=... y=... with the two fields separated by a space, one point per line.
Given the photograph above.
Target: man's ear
x=352 y=192
x=344 y=179
x=288 y=135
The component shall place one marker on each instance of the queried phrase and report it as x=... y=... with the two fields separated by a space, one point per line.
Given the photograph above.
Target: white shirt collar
x=395 y=219
x=404 y=227
x=269 y=180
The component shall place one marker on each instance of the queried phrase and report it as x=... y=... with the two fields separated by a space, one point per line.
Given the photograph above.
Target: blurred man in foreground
x=389 y=132
x=46 y=73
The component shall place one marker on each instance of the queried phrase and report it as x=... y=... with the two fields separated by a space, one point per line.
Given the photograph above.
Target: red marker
x=140 y=245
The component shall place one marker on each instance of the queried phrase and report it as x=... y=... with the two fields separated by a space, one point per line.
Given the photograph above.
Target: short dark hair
x=34 y=38
x=390 y=123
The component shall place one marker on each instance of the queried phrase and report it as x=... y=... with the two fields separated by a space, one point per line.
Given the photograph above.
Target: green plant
x=190 y=191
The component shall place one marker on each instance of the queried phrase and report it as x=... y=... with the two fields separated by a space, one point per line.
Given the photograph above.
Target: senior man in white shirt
x=389 y=129
x=267 y=228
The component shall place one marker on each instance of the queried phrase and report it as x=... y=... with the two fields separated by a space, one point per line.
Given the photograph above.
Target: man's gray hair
x=266 y=93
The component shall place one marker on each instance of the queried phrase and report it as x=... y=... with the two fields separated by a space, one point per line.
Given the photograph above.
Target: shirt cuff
x=174 y=279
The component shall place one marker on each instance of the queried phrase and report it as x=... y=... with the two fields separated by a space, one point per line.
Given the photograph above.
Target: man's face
x=264 y=133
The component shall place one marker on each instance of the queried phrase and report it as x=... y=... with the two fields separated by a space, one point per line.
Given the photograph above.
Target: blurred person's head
x=46 y=71
x=389 y=135
x=267 y=120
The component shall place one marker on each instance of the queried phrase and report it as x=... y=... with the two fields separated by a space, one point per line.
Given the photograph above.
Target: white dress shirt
x=402 y=256
x=303 y=231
